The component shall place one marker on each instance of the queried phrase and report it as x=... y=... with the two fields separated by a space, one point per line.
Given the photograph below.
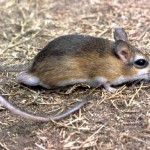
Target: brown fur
x=83 y=57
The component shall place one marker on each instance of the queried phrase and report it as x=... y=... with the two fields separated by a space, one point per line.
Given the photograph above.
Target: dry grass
x=109 y=121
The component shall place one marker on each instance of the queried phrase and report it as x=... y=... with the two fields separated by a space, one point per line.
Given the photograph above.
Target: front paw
x=110 y=89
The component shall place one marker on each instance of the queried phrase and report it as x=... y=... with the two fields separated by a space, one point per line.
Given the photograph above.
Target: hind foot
x=30 y=80
x=27 y=79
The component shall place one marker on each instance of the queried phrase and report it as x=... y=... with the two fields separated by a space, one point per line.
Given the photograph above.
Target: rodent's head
x=137 y=64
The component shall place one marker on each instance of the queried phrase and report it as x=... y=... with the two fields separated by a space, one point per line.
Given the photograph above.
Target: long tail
x=15 y=68
x=32 y=117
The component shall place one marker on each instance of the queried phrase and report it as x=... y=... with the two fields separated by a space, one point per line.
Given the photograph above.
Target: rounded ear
x=120 y=34
x=123 y=51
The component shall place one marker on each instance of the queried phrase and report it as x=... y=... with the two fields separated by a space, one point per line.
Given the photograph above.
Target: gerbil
x=75 y=59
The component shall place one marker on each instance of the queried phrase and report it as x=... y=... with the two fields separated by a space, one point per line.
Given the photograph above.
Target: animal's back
x=70 y=45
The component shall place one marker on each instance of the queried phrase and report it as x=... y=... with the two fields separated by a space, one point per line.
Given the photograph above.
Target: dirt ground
x=110 y=121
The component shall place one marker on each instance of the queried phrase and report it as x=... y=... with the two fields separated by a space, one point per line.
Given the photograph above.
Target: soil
x=109 y=121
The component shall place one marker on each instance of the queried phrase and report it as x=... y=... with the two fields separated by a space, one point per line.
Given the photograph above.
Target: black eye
x=141 y=63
